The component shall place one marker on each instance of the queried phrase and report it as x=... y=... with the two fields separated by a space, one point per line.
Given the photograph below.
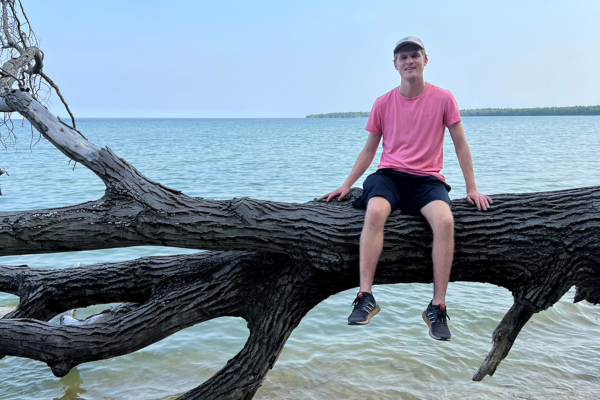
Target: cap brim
x=401 y=45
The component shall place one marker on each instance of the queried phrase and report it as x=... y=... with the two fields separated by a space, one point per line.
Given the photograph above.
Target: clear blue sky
x=213 y=59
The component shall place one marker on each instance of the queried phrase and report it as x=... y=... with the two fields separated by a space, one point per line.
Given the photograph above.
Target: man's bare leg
x=371 y=244
x=439 y=216
x=440 y=219
x=371 y=240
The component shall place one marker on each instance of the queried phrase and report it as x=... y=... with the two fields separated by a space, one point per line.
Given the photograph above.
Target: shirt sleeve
x=451 y=111
x=374 y=122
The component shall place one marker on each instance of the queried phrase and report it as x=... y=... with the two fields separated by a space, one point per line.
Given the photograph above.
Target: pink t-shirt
x=413 y=129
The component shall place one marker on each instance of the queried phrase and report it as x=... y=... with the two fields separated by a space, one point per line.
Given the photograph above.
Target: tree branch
x=167 y=292
x=47 y=293
x=503 y=338
x=19 y=32
x=5 y=28
x=12 y=66
x=62 y=99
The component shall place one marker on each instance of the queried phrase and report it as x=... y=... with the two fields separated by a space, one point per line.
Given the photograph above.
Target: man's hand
x=482 y=201
x=343 y=191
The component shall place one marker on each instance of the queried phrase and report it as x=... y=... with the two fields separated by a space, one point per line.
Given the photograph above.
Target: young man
x=411 y=119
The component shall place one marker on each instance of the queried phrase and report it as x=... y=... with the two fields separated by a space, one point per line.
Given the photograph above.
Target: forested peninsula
x=542 y=111
x=489 y=112
x=353 y=114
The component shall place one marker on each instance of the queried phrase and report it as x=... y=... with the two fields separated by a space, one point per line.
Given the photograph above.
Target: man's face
x=410 y=62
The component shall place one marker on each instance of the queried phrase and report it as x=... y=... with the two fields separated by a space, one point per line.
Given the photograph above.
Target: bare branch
x=8 y=125
x=47 y=293
x=5 y=28
x=25 y=16
x=23 y=62
x=57 y=90
x=19 y=32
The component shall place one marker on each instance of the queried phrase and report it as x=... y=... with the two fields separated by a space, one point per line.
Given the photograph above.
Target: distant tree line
x=354 y=114
x=489 y=112
x=575 y=110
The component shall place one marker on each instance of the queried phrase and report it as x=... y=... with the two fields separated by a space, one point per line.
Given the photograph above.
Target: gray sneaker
x=365 y=308
x=436 y=317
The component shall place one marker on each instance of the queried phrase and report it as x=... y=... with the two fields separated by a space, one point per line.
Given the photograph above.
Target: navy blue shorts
x=406 y=192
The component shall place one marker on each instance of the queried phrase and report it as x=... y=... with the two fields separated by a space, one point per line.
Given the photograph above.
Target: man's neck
x=411 y=89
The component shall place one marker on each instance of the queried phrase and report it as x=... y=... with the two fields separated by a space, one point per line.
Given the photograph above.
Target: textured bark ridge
x=268 y=263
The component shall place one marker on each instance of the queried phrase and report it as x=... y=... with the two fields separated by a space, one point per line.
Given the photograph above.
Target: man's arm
x=466 y=165
x=364 y=160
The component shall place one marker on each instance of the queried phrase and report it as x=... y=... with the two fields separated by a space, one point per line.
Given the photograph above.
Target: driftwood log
x=266 y=262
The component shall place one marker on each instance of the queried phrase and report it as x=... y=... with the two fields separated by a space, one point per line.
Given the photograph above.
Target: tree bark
x=281 y=260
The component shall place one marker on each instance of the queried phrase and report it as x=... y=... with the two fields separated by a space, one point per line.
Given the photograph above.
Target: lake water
x=296 y=160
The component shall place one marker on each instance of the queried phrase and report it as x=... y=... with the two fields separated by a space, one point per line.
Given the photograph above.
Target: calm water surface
x=296 y=160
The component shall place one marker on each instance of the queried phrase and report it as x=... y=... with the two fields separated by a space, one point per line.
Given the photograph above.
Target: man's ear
x=426 y=60
x=395 y=66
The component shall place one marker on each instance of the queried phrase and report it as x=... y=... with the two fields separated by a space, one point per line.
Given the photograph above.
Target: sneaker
x=365 y=308
x=435 y=317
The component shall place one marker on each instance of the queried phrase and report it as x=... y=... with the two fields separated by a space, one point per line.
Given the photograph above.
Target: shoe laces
x=361 y=302
x=440 y=315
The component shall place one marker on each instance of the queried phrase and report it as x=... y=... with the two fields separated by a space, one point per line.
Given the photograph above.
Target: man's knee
x=378 y=209
x=439 y=216
x=444 y=223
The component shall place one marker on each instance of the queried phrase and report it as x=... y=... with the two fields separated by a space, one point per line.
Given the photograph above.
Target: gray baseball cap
x=408 y=40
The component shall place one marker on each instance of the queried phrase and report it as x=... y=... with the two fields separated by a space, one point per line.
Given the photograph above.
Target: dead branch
x=57 y=90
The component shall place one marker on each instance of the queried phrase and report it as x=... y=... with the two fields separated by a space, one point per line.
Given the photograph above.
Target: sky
x=275 y=59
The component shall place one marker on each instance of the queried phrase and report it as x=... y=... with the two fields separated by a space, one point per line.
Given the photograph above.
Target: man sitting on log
x=411 y=119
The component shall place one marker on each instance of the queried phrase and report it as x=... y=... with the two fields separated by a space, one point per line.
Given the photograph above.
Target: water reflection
x=73 y=382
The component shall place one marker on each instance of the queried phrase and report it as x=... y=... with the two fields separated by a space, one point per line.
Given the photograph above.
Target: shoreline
x=490 y=112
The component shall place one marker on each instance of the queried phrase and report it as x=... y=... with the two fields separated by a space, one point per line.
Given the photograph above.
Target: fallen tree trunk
x=282 y=258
